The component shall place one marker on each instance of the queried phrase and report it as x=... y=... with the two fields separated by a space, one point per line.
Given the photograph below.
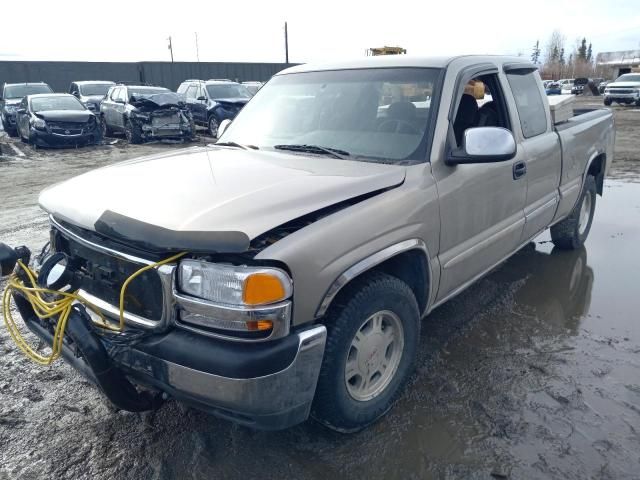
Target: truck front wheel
x=607 y=101
x=372 y=340
x=571 y=233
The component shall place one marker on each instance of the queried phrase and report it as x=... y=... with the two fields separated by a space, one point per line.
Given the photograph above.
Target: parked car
x=12 y=94
x=90 y=92
x=56 y=119
x=213 y=101
x=285 y=270
x=566 y=88
x=145 y=113
x=253 y=87
x=625 y=90
x=553 y=88
x=602 y=86
x=579 y=84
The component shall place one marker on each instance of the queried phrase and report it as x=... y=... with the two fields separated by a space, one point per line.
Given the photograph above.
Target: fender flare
x=372 y=261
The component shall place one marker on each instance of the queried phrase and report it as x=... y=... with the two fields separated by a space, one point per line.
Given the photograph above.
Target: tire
x=571 y=233
x=212 y=126
x=607 y=101
x=375 y=304
x=638 y=103
x=133 y=133
x=12 y=132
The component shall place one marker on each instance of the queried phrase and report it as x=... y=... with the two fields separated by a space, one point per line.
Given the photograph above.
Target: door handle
x=519 y=170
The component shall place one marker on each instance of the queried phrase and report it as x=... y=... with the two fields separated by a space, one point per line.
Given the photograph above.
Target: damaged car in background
x=146 y=113
x=56 y=120
x=12 y=94
x=90 y=92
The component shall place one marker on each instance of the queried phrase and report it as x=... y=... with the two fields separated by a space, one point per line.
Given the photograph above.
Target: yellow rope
x=60 y=306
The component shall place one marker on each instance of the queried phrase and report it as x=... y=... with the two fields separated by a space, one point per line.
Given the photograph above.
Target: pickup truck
x=625 y=90
x=342 y=205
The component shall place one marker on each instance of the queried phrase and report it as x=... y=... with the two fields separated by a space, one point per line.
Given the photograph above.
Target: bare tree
x=554 y=55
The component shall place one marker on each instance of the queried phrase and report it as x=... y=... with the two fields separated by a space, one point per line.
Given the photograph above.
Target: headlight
x=233 y=285
x=39 y=124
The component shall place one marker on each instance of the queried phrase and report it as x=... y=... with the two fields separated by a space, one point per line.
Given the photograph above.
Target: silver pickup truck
x=341 y=206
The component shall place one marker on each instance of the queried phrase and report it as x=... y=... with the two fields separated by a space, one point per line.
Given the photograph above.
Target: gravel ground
x=534 y=372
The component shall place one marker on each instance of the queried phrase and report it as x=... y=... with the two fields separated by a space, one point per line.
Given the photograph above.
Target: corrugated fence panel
x=60 y=74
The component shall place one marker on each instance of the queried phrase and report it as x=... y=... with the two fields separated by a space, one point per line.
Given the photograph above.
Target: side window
x=114 y=93
x=122 y=95
x=192 y=91
x=481 y=104
x=533 y=116
x=23 y=103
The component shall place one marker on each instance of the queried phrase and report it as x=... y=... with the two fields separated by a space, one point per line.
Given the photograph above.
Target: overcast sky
x=324 y=30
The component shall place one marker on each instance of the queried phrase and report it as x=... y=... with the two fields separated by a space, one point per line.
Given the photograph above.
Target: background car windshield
x=628 y=77
x=19 y=91
x=141 y=92
x=228 y=91
x=375 y=114
x=94 y=89
x=43 y=104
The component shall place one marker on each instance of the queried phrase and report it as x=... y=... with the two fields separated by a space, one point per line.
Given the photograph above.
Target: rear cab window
x=531 y=110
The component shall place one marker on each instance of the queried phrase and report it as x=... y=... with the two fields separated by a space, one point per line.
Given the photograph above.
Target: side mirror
x=21 y=110
x=484 y=145
x=201 y=99
x=224 y=124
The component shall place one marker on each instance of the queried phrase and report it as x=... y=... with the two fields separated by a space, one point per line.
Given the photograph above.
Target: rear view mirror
x=224 y=124
x=484 y=145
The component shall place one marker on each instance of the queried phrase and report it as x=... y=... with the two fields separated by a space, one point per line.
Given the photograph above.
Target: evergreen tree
x=561 y=57
x=589 y=53
x=535 y=55
x=582 y=50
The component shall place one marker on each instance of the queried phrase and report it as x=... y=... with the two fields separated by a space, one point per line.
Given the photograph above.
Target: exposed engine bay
x=162 y=115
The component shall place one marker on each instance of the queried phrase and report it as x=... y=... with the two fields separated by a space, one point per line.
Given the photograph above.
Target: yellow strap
x=60 y=307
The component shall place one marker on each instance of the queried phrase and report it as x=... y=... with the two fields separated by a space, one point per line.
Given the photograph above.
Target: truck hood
x=213 y=199
x=624 y=84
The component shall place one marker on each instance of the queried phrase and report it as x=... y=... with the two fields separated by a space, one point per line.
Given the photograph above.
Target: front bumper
x=622 y=97
x=267 y=385
x=47 y=139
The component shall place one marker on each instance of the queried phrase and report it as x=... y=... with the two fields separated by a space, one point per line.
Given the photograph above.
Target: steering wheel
x=398 y=126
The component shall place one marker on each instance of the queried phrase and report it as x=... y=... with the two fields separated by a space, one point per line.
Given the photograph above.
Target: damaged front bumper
x=267 y=385
x=172 y=123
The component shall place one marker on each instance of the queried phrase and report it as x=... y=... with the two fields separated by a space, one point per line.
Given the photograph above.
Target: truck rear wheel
x=571 y=233
x=372 y=340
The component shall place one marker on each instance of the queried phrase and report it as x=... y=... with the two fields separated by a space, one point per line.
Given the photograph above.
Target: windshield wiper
x=237 y=145
x=333 y=152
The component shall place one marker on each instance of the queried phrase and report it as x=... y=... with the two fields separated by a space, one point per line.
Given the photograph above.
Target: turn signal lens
x=263 y=288
x=259 y=325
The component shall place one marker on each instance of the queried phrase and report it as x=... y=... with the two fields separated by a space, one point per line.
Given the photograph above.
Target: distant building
x=619 y=63
x=386 y=51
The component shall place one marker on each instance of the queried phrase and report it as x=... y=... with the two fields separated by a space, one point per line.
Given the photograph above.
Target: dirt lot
x=532 y=373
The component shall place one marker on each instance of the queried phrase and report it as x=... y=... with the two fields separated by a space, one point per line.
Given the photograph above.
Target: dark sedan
x=58 y=119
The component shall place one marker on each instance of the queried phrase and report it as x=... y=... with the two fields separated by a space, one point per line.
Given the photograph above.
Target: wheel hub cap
x=585 y=212
x=374 y=355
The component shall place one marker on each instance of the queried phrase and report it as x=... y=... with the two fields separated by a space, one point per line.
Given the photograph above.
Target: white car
x=565 y=88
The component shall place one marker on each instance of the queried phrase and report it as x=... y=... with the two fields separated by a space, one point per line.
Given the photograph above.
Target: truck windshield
x=380 y=114
x=628 y=77
x=19 y=91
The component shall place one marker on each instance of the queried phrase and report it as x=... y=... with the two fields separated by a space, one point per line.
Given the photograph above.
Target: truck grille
x=103 y=276
x=625 y=91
